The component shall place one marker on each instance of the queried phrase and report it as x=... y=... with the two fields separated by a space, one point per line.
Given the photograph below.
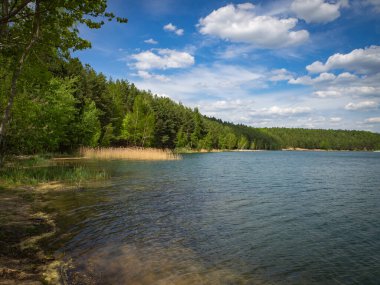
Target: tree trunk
x=4 y=14
x=135 y=135
x=15 y=76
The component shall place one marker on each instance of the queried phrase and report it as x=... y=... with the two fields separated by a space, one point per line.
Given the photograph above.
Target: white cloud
x=307 y=80
x=335 y=119
x=364 y=105
x=218 y=81
x=317 y=11
x=151 y=41
x=366 y=83
x=346 y=76
x=172 y=28
x=361 y=91
x=239 y=23
x=362 y=61
x=162 y=59
x=375 y=120
x=144 y=74
x=179 y=32
x=327 y=93
x=354 y=91
x=281 y=75
x=227 y=105
x=304 y=80
x=323 y=77
x=282 y=111
x=147 y=75
x=246 y=6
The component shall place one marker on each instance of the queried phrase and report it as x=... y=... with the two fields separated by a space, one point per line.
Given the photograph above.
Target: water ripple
x=230 y=218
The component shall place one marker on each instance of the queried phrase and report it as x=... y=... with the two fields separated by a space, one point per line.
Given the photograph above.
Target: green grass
x=36 y=170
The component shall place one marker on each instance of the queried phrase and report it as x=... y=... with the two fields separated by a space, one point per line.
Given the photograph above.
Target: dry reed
x=130 y=153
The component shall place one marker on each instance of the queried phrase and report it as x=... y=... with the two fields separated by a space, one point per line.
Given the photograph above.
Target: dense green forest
x=50 y=102
x=75 y=106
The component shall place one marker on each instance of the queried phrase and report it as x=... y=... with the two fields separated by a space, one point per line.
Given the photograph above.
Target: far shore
x=284 y=149
x=330 y=150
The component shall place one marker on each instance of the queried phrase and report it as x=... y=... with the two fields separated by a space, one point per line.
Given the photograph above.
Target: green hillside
x=69 y=105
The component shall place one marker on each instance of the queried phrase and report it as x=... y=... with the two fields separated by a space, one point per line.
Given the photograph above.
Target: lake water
x=227 y=218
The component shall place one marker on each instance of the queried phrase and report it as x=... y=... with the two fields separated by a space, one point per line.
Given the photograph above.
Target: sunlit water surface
x=226 y=218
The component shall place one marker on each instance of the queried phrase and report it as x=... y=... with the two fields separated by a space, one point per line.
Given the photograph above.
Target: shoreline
x=326 y=150
x=24 y=227
x=284 y=149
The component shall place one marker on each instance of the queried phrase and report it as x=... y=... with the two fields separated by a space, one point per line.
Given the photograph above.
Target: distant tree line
x=69 y=105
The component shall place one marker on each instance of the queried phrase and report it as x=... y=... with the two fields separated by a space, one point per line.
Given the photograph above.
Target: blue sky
x=286 y=63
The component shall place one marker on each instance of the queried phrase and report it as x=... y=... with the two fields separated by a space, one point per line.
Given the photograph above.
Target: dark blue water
x=229 y=218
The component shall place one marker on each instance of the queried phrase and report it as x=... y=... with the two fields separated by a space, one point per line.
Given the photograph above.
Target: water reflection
x=146 y=266
x=226 y=218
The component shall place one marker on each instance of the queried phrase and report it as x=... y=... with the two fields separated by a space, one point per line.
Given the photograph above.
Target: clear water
x=227 y=218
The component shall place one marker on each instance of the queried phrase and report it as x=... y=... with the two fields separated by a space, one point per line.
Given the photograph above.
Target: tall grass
x=131 y=153
x=37 y=170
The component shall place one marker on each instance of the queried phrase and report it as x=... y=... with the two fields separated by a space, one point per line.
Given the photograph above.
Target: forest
x=75 y=106
x=51 y=102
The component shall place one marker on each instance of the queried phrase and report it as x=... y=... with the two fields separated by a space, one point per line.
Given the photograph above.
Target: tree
x=206 y=142
x=138 y=126
x=42 y=117
x=181 y=139
x=107 y=136
x=198 y=131
x=89 y=127
x=231 y=140
x=46 y=28
x=243 y=143
x=166 y=122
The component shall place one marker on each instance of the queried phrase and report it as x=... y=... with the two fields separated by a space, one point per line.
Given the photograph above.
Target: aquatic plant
x=36 y=170
x=130 y=153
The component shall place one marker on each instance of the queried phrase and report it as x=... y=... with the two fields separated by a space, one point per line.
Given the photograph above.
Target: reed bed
x=42 y=171
x=129 y=153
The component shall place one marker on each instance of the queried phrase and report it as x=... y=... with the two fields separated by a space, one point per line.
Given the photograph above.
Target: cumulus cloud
x=335 y=119
x=364 y=105
x=317 y=11
x=227 y=105
x=364 y=81
x=217 y=82
x=362 y=61
x=353 y=91
x=172 y=28
x=346 y=76
x=282 y=111
x=239 y=23
x=151 y=41
x=162 y=59
x=307 y=80
x=375 y=120
x=327 y=93
x=147 y=75
x=362 y=91
x=281 y=75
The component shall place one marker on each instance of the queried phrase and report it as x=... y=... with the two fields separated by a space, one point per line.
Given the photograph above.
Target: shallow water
x=227 y=218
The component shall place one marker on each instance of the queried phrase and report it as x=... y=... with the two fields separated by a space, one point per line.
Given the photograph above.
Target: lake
x=226 y=218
